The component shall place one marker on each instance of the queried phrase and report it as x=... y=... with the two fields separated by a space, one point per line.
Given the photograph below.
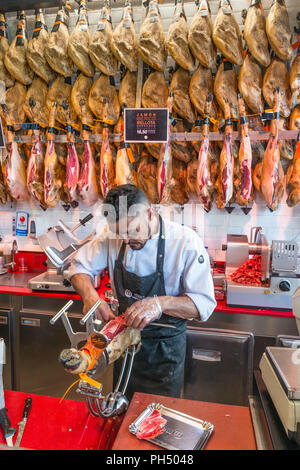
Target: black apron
x=158 y=367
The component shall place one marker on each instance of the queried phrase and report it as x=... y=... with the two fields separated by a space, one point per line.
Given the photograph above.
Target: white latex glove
x=143 y=312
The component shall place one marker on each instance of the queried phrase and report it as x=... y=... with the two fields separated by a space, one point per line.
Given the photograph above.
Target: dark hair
x=133 y=194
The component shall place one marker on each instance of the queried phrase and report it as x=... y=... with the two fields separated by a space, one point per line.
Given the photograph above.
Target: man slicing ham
x=160 y=273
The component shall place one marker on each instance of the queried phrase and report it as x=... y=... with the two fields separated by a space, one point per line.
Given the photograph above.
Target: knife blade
x=5 y=424
x=22 y=423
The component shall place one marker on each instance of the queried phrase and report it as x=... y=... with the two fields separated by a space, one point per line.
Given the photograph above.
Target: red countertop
x=52 y=425
x=221 y=304
x=233 y=428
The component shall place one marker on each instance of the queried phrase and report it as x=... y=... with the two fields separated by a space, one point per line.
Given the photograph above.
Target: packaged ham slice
x=152 y=426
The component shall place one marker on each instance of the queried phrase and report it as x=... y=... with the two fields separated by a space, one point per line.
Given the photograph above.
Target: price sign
x=146 y=125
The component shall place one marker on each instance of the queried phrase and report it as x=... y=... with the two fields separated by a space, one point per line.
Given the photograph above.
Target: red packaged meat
x=249 y=273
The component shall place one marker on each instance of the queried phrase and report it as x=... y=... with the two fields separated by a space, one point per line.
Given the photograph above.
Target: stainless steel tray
x=182 y=432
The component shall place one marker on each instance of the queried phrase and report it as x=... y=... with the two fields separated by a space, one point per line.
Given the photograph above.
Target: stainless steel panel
x=49 y=305
x=5 y=300
x=286 y=364
x=15 y=280
x=40 y=346
x=223 y=372
x=5 y=326
x=286 y=341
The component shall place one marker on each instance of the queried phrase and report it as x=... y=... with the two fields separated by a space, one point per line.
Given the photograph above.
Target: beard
x=139 y=244
x=135 y=245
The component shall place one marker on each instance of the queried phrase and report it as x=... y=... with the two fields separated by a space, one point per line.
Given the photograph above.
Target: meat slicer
x=92 y=359
x=280 y=369
x=60 y=244
x=280 y=271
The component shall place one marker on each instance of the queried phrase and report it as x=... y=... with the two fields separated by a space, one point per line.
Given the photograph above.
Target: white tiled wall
x=213 y=227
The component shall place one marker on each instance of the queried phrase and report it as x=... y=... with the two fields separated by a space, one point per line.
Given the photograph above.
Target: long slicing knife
x=8 y=430
x=22 y=424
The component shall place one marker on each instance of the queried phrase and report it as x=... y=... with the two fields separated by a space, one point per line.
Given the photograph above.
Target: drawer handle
x=30 y=322
x=207 y=355
x=3 y=320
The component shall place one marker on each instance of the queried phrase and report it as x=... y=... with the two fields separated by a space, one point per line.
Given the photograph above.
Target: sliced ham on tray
x=152 y=426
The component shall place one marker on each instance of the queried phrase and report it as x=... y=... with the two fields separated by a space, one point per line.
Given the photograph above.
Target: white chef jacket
x=186 y=263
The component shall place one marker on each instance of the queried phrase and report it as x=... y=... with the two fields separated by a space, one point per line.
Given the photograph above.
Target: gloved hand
x=143 y=312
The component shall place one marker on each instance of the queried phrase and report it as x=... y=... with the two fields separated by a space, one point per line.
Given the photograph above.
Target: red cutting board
x=232 y=424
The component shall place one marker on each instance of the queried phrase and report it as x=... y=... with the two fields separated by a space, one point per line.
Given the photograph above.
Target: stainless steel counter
x=16 y=279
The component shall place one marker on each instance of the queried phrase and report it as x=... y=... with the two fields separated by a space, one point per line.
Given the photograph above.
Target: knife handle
x=27 y=407
x=8 y=430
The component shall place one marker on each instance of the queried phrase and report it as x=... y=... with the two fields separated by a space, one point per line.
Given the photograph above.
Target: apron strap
x=161 y=248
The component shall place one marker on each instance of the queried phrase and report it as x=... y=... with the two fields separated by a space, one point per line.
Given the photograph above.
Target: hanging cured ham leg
x=271 y=173
x=124 y=42
x=255 y=33
x=295 y=78
x=36 y=47
x=35 y=167
x=5 y=76
x=124 y=171
x=244 y=192
x=200 y=36
x=52 y=182
x=204 y=186
x=227 y=35
x=177 y=39
x=107 y=169
x=72 y=166
x=15 y=58
x=87 y=183
x=164 y=167
x=293 y=178
x=78 y=45
x=152 y=42
x=100 y=49
x=56 y=50
x=14 y=166
x=224 y=183
x=278 y=30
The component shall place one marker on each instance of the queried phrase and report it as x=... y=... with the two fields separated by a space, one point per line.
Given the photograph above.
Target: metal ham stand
x=115 y=403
